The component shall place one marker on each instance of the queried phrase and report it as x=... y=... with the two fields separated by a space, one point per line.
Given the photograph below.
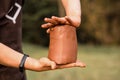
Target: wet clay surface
x=63 y=44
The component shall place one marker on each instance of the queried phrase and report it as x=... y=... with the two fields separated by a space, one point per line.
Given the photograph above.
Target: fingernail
x=48 y=31
x=45 y=18
x=42 y=26
x=53 y=67
x=53 y=16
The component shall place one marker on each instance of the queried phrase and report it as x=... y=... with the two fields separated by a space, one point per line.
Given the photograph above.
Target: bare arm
x=12 y=58
x=72 y=8
x=73 y=15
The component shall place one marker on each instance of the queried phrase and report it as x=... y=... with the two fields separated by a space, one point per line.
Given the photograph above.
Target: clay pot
x=63 y=44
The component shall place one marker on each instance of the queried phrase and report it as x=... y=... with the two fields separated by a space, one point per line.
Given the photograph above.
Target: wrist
x=32 y=64
x=21 y=66
x=75 y=20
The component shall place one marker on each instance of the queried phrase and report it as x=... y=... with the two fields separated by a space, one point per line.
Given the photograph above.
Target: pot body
x=63 y=44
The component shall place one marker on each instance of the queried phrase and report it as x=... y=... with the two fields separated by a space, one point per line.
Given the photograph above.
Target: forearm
x=12 y=58
x=72 y=7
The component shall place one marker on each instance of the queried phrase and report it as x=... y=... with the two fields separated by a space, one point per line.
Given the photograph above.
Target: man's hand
x=46 y=64
x=54 y=21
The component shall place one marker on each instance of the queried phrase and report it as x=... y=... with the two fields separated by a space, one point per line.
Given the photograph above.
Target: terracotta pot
x=63 y=44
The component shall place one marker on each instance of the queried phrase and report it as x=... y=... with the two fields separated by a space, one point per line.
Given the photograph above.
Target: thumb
x=47 y=62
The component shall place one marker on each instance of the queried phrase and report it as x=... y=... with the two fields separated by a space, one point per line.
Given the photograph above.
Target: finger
x=47 y=25
x=77 y=64
x=48 y=63
x=48 y=31
x=80 y=64
x=48 y=20
x=59 y=20
x=53 y=65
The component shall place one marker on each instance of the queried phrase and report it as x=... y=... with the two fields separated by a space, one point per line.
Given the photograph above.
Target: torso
x=10 y=35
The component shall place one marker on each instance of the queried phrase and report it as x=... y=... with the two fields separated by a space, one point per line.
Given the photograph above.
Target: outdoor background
x=98 y=38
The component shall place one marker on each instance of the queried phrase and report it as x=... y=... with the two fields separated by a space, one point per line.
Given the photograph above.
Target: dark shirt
x=10 y=35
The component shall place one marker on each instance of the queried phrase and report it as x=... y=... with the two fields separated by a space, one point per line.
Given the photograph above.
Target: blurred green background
x=103 y=63
x=98 y=38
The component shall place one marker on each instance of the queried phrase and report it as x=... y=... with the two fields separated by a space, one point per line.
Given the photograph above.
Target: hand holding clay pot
x=54 y=21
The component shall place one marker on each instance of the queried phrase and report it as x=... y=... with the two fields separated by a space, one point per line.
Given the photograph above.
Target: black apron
x=10 y=35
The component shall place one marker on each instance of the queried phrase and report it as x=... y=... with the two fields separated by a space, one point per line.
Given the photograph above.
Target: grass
x=103 y=63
